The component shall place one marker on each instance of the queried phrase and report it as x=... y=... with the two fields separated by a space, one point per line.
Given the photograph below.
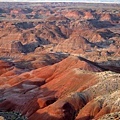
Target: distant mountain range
x=90 y=1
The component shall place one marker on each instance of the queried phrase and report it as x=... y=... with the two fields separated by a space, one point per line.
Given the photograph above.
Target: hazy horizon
x=88 y=1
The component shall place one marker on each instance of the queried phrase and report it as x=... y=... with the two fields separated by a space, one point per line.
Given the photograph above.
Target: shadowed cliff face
x=60 y=61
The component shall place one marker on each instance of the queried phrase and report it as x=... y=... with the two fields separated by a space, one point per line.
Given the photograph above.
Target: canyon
x=59 y=61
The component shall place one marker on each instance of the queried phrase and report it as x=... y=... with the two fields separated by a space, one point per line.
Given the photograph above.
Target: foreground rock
x=38 y=95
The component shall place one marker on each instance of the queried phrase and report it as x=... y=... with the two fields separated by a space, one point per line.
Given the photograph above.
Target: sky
x=93 y=1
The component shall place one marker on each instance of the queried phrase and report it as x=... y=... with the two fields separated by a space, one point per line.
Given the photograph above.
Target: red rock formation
x=42 y=82
x=15 y=11
x=72 y=14
x=5 y=66
x=105 y=17
x=75 y=42
x=56 y=78
x=88 y=15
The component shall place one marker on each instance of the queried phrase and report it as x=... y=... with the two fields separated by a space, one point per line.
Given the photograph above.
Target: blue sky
x=94 y=1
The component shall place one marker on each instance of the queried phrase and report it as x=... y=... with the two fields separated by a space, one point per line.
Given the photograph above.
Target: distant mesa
x=106 y=17
x=88 y=15
x=72 y=14
x=75 y=42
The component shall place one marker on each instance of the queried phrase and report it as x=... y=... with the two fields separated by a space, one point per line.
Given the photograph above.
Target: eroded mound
x=44 y=93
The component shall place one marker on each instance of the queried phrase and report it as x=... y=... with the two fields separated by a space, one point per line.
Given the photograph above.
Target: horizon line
x=58 y=2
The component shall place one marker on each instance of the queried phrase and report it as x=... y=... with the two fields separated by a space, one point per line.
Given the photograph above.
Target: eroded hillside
x=59 y=62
